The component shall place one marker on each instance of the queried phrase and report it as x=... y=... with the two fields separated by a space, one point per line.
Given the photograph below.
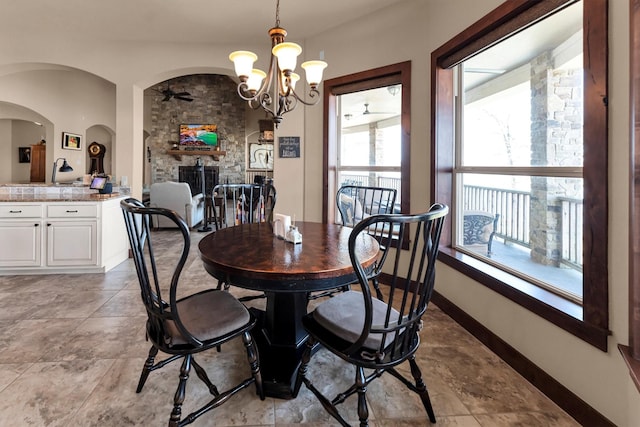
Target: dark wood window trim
x=631 y=353
x=370 y=79
x=592 y=325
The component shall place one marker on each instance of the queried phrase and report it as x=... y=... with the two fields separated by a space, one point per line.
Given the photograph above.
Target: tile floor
x=72 y=347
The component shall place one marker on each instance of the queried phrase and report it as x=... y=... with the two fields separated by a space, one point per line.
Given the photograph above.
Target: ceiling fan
x=169 y=93
x=366 y=112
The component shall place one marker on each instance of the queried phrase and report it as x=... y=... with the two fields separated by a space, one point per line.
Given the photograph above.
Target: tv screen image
x=199 y=135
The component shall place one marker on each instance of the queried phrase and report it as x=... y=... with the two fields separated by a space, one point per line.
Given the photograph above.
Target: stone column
x=556 y=140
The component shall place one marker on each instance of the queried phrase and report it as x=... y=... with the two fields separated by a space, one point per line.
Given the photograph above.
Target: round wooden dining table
x=250 y=256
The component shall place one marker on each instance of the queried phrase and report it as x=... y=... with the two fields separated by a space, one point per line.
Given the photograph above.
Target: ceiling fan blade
x=182 y=98
x=166 y=98
x=366 y=111
x=182 y=94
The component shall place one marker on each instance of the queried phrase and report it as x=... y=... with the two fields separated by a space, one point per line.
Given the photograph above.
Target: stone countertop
x=70 y=197
x=13 y=193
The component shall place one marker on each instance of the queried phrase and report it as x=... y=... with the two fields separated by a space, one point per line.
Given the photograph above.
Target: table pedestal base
x=281 y=339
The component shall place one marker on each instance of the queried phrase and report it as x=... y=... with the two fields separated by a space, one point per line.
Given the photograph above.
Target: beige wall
x=410 y=30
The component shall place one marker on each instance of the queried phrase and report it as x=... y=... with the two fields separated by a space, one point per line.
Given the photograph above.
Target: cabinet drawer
x=20 y=211
x=72 y=211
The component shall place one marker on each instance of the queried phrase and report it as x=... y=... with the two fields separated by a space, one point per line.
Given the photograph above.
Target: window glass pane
x=354 y=149
x=369 y=142
x=523 y=98
x=531 y=226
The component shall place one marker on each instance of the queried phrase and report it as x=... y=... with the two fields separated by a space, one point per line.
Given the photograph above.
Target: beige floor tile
x=72 y=348
x=49 y=394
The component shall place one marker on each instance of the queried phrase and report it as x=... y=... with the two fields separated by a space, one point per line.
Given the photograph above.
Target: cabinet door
x=38 y=163
x=20 y=245
x=72 y=243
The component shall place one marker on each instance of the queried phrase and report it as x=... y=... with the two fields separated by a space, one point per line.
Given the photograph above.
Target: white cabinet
x=72 y=232
x=20 y=235
x=62 y=237
x=72 y=243
x=21 y=243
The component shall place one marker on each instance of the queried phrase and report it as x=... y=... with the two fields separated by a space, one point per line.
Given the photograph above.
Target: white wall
x=6 y=149
x=410 y=30
x=71 y=100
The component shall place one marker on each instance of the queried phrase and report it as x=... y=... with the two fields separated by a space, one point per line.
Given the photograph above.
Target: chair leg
x=252 y=356
x=148 y=367
x=361 y=385
x=376 y=286
x=176 y=413
x=422 y=389
x=304 y=363
x=202 y=374
x=301 y=378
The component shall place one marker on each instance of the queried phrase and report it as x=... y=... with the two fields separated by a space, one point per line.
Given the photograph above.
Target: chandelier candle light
x=275 y=91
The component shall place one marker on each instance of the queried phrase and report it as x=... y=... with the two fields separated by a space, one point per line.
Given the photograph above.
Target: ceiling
x=184 y=21
x=200 y=21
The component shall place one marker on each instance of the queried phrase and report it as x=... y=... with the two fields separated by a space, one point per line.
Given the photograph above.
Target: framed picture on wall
x=71 y=141
x=24 y=154
x=261 y=156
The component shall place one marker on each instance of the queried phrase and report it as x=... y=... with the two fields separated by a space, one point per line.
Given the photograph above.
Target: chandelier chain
x=278 y=13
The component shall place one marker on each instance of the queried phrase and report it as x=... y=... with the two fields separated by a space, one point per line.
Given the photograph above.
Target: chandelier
x=274 y=91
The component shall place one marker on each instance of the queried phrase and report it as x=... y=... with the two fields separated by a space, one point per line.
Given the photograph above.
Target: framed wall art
x=261 y=156
x=24 y=154
x=71 y=141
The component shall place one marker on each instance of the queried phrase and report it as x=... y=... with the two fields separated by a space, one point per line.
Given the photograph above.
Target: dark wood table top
x=250 y=256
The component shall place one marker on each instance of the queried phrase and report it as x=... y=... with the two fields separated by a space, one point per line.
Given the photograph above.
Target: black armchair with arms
x=373 y=334
x=182 y=327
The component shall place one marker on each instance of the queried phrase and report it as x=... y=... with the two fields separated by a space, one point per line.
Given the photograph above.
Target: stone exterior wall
x=215 y=101
x=556 y=140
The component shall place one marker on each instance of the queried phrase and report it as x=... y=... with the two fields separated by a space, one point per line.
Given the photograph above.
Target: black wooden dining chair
x=355 y=203
x=371 y=333
x=244 y=204
x=182 y=327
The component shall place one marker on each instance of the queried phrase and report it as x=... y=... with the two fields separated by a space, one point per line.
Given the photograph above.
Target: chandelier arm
x=313 y=93
x=242 y=89
x=286 y=104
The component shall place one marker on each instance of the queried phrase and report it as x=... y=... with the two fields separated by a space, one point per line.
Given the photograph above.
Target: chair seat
x=208 y=315
x=343 y=315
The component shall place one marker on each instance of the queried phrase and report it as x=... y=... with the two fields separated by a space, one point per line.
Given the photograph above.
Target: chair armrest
x=197 y=199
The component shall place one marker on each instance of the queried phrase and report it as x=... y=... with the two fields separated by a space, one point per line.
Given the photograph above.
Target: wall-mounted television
x=199 y=135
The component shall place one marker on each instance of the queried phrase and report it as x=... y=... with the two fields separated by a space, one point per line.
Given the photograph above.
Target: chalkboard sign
x=289 y=147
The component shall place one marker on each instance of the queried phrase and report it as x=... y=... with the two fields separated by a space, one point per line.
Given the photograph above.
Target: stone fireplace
x=215 y=101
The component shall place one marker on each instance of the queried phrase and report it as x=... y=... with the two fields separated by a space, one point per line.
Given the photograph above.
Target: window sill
x=559 y=311
x=632 y=364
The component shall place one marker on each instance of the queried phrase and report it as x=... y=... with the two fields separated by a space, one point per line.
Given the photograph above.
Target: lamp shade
x=293 y=78
x=65 y=167
x=314 y=71
x=243 y=62
x=287 y=54
x=255 y=79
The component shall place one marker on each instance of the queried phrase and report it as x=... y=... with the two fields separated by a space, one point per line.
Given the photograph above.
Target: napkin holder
x=281 y=225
